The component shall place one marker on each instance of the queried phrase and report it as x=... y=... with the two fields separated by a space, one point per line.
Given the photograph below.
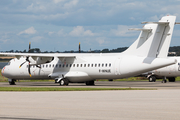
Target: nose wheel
x=12 y=82
x=64 y=82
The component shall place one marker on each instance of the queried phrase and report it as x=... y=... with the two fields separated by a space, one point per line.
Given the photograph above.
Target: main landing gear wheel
x=172 y=79
x=90 y=83
x=152 y=79
x=64 y=82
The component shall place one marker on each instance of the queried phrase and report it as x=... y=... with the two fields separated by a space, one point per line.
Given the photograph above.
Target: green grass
x=65 y=89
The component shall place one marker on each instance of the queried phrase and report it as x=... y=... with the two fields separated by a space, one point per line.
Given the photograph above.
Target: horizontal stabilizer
x=155 y=23
x=140 y=29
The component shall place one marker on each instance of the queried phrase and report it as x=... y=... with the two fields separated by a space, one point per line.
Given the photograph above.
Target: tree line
x=175 y=49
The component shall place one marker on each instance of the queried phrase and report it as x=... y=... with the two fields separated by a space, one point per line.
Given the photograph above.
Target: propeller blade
x=22 y=64
x=38 y=66
x=29 y=70
x=79 y=47
x=29 y=47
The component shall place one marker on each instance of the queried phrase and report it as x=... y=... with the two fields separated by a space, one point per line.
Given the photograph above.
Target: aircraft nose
x=2 y=71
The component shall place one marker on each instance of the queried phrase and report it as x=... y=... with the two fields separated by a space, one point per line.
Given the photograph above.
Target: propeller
x=79 y=47
x=27 y=60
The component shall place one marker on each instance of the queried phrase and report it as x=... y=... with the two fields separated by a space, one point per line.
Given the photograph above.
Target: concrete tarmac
x=160 y=104
x=101 y=84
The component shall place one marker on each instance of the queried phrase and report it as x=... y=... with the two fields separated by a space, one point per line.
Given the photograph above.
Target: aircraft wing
x=41 y=58
x=59 y=55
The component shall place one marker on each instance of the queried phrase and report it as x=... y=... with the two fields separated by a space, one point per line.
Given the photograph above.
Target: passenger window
x=109 y=64
x=84 y=65
x=95 y=65
x=91 y=65
x=53 y=65
x=77 y=65
x=59 y=65
x=73 y=65
x=63 y=65
x=106 y=64
x=67 y=65
x=99 y=65
x=70 y=65
x=102 y=65
x=50 y=65
x=81 y=65
x=56 y=65
x=46 y=65
x=88 y=65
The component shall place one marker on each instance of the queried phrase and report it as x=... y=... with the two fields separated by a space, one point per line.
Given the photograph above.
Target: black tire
x=12 y=82
x=152 y=79
x=164 y=81
x=64 y=82
x=89 y=83
x=172 y=79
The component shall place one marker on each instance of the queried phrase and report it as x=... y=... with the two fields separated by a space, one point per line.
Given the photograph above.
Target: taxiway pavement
x=159 y=104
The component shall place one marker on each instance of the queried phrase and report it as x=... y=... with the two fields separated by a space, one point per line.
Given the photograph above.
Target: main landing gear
x=152 y=78
x=171 y=79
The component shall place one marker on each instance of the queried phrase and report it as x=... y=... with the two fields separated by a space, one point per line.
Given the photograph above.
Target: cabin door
x=117 y=66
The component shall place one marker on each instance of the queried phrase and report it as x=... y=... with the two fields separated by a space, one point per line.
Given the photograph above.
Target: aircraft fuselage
x=85 y=67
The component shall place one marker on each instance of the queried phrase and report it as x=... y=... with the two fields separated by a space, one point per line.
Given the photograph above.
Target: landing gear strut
x=164 y=80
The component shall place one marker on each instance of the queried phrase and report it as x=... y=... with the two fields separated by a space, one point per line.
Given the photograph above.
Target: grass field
x=65 y=89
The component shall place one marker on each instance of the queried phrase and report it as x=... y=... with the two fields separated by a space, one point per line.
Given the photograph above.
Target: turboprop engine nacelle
x=40 y=60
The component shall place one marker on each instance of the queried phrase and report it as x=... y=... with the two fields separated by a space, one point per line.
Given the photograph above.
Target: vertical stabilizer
x=154 y=39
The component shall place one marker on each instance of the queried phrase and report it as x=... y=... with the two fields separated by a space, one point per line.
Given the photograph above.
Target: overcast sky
x=59 y=25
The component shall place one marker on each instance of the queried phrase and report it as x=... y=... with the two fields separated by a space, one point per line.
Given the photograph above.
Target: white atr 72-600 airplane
x=147 y=53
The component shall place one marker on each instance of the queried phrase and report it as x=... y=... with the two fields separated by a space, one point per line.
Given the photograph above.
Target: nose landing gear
x=12 y=81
